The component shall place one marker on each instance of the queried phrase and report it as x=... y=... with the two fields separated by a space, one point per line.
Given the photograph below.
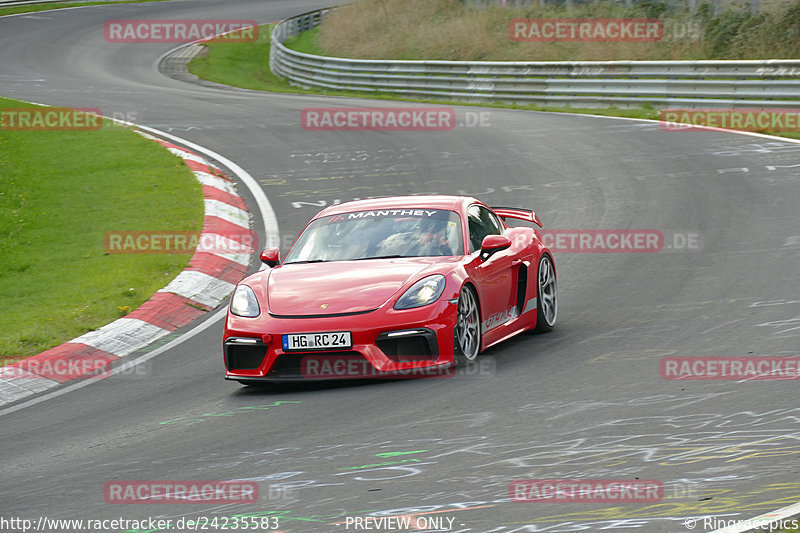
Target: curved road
x=585 y=401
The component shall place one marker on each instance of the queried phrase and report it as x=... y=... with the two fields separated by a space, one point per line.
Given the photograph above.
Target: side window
x=482 y=222
x=497 y=226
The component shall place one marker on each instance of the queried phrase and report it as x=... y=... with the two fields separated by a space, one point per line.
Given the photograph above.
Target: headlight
x=424 y=292
x=244 y=302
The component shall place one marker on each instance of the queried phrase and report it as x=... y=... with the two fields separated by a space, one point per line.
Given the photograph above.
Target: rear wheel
x=547 y=292
x=468 y=328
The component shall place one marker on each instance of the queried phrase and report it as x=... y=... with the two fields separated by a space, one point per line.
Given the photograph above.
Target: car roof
x=450 y=203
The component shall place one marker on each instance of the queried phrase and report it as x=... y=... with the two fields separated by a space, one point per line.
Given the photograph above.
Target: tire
x=467 y=332
x=547 y=294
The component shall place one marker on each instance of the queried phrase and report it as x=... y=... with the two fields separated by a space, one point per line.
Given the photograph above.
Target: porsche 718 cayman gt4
x=380 y=286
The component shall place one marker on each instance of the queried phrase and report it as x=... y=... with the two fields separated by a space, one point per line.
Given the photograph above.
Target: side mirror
x=492 y=244
x=270 y=257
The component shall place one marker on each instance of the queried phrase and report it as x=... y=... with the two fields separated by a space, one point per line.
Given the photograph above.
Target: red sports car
x=387 y=286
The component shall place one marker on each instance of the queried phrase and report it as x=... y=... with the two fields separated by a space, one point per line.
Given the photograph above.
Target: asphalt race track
x=585 y=401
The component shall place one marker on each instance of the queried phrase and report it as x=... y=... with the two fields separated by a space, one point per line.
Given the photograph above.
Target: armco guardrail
x=747 y=83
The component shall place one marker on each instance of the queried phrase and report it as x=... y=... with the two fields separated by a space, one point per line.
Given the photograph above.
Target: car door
x=494 y=277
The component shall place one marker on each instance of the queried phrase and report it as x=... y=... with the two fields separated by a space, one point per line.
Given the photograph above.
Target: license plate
x=317 y=341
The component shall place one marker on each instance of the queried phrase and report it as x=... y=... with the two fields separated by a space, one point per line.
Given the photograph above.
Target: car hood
x=324 y=289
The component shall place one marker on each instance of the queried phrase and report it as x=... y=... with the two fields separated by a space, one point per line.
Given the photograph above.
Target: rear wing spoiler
x=519 y=213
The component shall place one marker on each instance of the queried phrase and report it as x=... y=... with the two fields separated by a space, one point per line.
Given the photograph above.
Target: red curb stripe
x=72 y=360
x=68 y=361
x=226 y=227
x=195 y=166
x=217 y=267
x=167 y=144
x=212 y=193
x=217 y=173
x=200 y=167
x=168 y=311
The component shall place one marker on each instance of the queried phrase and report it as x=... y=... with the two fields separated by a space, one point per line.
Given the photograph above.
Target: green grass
x=246 y=65
x=239 y=63
x=45 y=7
x=60 y=192
x=307 y=43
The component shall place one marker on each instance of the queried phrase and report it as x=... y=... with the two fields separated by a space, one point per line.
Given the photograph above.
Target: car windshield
x=379 y=233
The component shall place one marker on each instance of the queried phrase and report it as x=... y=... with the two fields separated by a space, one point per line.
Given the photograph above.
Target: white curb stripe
x=146 y=135
x=218 y=183
x=183 y=154
x=242 y=259
x=219 y=242
x=200 y=287
x=234 y=215
x=123 y=336
x=13 y=392
x=268 y=218
x=16 y=383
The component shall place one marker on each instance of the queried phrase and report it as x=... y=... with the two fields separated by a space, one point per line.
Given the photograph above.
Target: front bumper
x=385 y=343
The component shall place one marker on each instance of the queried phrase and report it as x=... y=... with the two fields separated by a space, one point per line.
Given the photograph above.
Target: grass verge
x=60 y=192
x=46 y=7
x=246 y=65
x=458 y=30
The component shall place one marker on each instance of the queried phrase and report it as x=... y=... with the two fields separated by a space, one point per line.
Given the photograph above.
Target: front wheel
x=547 y=292
x=468 y=329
